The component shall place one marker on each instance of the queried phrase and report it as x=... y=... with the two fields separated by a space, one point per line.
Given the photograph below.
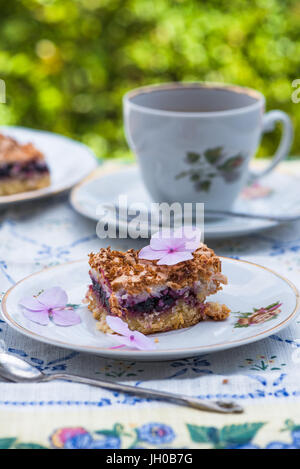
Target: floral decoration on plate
x=256 y=191
x=259 y=315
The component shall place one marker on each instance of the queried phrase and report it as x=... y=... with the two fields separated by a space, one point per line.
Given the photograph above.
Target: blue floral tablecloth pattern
x=263 y=376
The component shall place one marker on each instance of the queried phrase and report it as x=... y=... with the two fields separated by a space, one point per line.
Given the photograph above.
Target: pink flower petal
x=121 y=339
x=175 y=257
x=165 y=239
x=54 y=297
x=133 y=339
x=191 y=236
x=40 y=317
x=65 y=317
x=117 y=325
x=184 y=236
x=175 y=244
x=30 y=302
x=66 y=433
x=149 y=254
x=159 y=243
x=183 y=248
x=165 y=244
x=140 y=343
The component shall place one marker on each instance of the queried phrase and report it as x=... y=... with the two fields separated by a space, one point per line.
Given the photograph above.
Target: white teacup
x=194 y=141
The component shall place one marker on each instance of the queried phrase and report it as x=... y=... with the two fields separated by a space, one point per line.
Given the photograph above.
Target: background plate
x=109 y=181
x=69 y=161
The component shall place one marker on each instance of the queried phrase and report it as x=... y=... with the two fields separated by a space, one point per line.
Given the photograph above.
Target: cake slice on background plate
x=22 y=167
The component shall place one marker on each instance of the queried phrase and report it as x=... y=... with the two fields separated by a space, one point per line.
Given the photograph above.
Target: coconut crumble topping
x=124 y=270
x=12 y=152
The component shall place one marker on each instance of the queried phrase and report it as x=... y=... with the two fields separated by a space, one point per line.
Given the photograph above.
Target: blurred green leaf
x=213 y=155
x=67 y=63
x=29 y=446
x=201 y=434
x=6 y=443
x=232 y=435
x=204 y=186
x=192 y=158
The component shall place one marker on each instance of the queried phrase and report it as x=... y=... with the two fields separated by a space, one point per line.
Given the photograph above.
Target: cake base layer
x=12 y=186
x=180 y=316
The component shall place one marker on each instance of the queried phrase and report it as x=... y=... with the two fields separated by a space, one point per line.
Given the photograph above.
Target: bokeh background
x=67 y=63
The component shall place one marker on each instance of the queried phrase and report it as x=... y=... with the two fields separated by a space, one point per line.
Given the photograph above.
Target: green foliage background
x=67 y=63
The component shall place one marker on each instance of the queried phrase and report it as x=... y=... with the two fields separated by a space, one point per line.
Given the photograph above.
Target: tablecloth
x=263 y=377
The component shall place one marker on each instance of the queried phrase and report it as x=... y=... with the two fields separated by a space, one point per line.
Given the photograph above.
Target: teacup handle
x=269 y=121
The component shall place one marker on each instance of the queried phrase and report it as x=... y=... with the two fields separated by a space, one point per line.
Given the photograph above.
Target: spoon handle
x=216 y=406
x=228 y=213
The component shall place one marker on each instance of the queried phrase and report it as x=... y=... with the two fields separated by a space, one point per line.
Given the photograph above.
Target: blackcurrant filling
x=165 y=301
x=101 y=294
x=17 y=169
x=153 y=304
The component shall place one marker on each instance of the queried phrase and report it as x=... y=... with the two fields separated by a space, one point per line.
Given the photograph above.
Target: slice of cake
x=154 y=298
x=22 y=167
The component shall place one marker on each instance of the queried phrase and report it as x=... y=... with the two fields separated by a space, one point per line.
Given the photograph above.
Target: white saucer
x=109 y=181
x=249 y=286
x=69 y=161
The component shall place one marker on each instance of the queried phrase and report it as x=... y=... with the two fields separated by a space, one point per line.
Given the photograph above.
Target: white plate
x=69 y=161
x=109 y=181
x=250 y=286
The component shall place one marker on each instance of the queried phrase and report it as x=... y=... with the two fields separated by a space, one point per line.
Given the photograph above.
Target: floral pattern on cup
x=204 y=167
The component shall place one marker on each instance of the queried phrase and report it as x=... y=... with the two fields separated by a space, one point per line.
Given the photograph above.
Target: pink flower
x=172 y=247
x=256 y=191
x=133 y=339
x=52 y=303
x=61 y=436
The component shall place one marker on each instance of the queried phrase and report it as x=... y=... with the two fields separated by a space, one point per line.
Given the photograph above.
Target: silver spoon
x=19 y=371
x=227 y=213
x=257 y=216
